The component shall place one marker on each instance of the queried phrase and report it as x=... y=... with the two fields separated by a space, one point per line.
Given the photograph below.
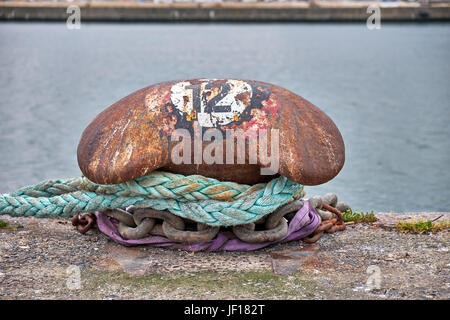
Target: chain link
x=137 y=223
x=327 y=226
x=83 y=222
x=203 y=233
x=248 y=233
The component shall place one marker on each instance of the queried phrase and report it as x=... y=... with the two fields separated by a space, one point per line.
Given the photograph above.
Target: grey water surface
x=387 y=90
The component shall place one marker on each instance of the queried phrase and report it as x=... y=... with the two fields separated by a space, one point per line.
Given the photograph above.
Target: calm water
x=387 y=90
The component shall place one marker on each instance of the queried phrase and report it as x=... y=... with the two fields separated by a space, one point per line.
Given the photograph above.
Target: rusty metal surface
x=132 y=137
x=328 y=226
x=83 y=222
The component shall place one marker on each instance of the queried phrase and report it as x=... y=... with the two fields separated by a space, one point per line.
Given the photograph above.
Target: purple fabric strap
x=303 y=224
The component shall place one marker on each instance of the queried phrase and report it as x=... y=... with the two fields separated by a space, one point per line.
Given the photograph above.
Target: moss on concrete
x=359 y=216
x=203 y=285
x=422 y=226
x=6 y=225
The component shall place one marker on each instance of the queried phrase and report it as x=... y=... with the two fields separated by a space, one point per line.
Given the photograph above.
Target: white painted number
x=222 y=108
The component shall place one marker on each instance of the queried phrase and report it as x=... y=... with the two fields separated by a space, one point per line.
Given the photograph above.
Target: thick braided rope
x=195 y=197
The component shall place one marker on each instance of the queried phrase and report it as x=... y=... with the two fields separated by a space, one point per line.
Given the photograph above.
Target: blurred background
x=388 y=91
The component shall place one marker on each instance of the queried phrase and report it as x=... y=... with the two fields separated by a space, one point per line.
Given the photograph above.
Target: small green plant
x=359 y=216
x=6 y=225
x=422 y=226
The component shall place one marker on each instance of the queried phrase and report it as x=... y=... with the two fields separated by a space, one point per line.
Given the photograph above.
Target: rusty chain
x=327 y=226
x=276 y=226
x=137 y=223
x=83 y=222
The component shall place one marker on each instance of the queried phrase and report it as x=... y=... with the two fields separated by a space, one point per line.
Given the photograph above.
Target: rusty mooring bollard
x=134 y=136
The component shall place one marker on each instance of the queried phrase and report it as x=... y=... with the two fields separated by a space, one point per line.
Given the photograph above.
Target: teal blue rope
x=195 y=197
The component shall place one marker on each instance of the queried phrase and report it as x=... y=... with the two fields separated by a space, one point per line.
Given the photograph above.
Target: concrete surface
x=48 y=259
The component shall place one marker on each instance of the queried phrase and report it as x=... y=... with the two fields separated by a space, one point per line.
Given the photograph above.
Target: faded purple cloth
x=302 y=225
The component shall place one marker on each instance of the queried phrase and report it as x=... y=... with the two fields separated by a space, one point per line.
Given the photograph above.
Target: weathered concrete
x=34 y=262
x=322 y=11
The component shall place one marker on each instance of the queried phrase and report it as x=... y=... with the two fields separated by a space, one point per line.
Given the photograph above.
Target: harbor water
x=387 y=90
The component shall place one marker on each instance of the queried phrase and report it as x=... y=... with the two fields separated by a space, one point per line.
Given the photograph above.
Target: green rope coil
x=194 y=197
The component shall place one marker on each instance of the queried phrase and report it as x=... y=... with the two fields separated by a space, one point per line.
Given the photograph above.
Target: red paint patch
x=272 y=107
